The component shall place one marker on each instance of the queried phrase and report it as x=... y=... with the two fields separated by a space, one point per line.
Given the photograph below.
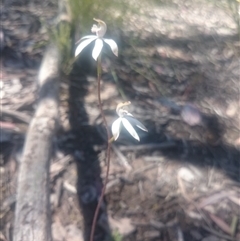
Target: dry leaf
x=220 y=223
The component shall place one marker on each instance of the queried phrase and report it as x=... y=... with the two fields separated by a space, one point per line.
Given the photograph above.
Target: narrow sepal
x=97 y=48
x=136 y=122
x=112 y=45
x=116 y=128
x=130 y=129
x=82 y=45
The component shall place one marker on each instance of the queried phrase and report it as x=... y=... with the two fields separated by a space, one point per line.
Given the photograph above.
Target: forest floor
x=178 y=64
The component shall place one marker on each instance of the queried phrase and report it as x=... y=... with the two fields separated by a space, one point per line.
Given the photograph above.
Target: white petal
x=89 y=36
x=135 y=122
x=97 y=48
x=116 y=128
x=142 y=127
x=130 y=129
x=86 y=37
x=82 y=45
x=112 y=45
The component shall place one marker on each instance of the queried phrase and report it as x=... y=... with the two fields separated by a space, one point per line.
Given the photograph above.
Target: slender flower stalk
x=125 y=118
x=99 y=73
x=100 y=31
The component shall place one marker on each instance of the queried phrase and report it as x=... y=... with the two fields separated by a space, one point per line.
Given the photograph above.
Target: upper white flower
x=128 y=121
x=100 y=31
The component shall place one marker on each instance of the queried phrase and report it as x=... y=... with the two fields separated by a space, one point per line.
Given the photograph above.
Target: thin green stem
x=99 y=74
x=120 y=89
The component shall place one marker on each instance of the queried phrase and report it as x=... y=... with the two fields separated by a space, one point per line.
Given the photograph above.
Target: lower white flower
x=127 y=121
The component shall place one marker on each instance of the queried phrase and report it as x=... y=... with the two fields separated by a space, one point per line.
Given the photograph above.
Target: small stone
x=15 y=87
x=210 y=209
x=231 y=109
x=2 y=93
x=122 y=225
x=2 y=170
x=191 y=115
x=194 y=215
x=186 y=174
x=237 y=142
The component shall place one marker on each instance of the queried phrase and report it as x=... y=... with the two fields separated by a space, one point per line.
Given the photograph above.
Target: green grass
x=80 y=20
x=116 y=236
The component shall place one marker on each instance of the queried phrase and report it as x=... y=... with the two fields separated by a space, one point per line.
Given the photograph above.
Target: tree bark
x=32 y=213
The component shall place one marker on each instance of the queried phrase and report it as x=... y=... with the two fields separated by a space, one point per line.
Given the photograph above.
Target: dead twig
x=219 y=234
x=220 y=223
x=183 y=190
x=69 y=187
x=234 y=199
x=154 y=159
x=111 y=184
x=59 y=186
x=16 y=115
x=144 y=169
x=28 y=100
x=213 y=199
x=122 y=158
x=150 y=146
x=234 y=224
x=59 y=166
x=8 y=126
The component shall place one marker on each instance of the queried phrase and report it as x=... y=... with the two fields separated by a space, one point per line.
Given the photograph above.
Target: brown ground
x=178 y=63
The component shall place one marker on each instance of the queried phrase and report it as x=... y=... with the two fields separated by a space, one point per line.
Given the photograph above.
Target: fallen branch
x=32 y=214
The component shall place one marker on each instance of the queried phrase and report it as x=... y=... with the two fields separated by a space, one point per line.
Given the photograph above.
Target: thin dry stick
x=99 y=73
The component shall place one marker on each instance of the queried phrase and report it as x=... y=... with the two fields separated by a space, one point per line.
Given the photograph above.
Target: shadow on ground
x=82 y=138
x=207 y=151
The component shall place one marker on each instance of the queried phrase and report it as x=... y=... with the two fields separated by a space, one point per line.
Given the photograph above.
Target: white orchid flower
x=126 y=120
x=100 y=31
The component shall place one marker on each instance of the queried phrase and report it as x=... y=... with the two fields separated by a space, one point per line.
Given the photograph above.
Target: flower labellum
x=127 y=121
x=100 y=31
